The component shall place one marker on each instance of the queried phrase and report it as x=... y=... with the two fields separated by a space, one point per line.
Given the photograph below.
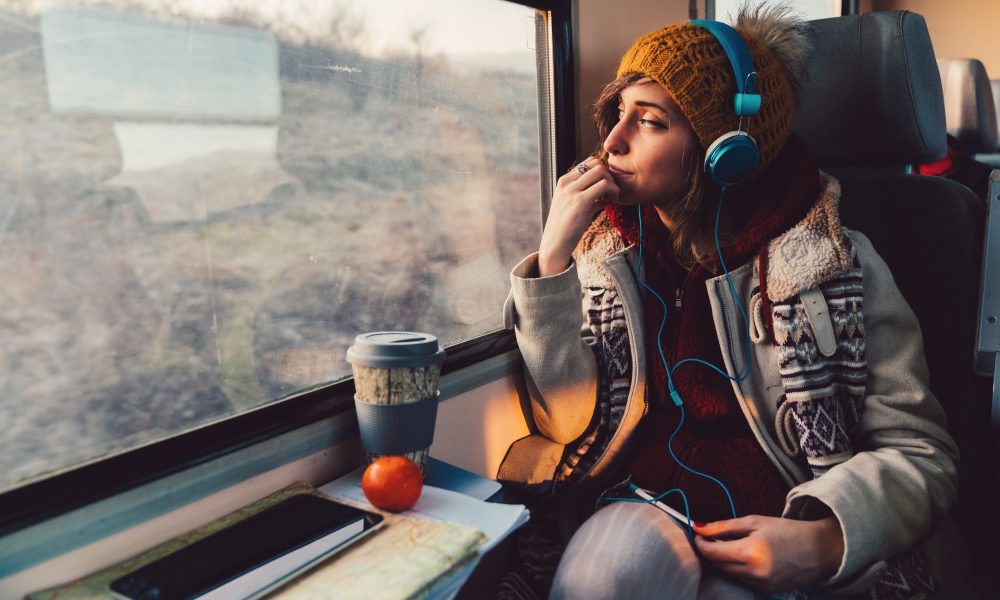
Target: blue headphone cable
x=657 y=498
x=674 y=395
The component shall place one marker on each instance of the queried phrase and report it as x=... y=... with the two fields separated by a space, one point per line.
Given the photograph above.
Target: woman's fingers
x=731 y=552
x=596 y=171
x=585 y=174
x=730 y=528
x=745 y=559
x=596 y=185
x=585 y=165
x=578 y=170
x=579 y=195
x=604 y=191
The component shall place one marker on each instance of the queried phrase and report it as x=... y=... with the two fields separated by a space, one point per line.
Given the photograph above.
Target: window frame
x=78 y=486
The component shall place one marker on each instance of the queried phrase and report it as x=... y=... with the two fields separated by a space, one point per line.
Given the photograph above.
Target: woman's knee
x=628 y=550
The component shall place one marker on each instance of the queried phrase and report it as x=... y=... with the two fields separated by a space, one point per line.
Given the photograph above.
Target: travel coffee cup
x=396 y=392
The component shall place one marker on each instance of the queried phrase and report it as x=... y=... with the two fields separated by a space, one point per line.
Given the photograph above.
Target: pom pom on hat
x=690 y=63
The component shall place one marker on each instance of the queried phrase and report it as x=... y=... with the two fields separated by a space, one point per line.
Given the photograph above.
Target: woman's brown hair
x=693 y=215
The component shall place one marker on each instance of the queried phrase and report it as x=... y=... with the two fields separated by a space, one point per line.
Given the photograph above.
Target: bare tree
x=418 y=37
x=346 y=29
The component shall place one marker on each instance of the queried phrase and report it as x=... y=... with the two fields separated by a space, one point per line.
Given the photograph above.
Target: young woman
x=812 y=458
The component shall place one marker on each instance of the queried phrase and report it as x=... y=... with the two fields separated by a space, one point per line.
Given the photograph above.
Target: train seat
x=971 y=119
x=992 y=157
x=872 y=98
x=995 y=88
x=969 y=111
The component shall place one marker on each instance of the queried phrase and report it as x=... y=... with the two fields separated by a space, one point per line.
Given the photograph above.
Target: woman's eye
x=652 y=123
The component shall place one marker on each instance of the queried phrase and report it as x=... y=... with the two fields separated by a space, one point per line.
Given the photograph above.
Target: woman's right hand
x=578 y=197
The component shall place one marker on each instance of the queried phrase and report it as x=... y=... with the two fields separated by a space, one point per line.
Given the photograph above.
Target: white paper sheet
x=495 y=520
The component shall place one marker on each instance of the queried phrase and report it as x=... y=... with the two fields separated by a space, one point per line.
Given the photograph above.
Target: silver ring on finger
x=582 y=168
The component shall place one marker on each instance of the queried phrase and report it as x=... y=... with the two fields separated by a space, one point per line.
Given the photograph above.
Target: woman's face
x=651 y=146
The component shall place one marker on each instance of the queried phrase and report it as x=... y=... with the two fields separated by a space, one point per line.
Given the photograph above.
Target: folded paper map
x=406 y=559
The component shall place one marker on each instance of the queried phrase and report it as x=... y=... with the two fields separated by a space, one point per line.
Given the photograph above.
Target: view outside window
x=202 y=202
x=725 y=10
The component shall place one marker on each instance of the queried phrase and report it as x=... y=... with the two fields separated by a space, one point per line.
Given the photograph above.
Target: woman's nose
x=616 y=142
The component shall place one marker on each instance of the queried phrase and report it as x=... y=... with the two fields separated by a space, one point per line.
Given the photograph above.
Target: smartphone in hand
x=645 y=495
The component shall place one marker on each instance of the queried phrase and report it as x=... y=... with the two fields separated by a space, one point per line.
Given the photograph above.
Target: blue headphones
x=732 y=158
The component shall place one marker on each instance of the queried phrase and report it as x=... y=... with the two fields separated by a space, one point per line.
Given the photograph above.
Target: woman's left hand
x=773 y=554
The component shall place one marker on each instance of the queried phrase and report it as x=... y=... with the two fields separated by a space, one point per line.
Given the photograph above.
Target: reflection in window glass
x=204 y=202
x=725 y=10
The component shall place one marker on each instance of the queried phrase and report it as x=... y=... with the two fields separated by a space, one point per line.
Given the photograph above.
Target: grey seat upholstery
x=971 y=117
x=872 y=96
x=992 y=157
x=995 y=88
x=969 y=110
x=859 y=103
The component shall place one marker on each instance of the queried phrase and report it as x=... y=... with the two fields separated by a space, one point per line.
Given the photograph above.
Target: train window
x=204 y=202
x=725 y=10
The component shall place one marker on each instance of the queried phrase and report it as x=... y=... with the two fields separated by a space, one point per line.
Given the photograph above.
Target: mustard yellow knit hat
x=690 y=63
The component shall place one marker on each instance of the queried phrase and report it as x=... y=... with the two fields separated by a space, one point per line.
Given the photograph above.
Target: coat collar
x=812 y=251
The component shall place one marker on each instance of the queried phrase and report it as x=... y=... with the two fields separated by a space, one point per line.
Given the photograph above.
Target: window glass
x=203 y=202
x=725 y=10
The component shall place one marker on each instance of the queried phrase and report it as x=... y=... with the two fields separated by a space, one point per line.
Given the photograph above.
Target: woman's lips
x=616 y=172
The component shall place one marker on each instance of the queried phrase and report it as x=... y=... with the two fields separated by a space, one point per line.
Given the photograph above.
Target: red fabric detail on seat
x=945 y=166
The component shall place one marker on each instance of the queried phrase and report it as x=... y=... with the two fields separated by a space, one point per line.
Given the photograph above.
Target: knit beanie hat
x=690 y=63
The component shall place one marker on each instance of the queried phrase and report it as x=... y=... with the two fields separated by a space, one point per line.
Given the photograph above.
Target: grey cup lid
x=395 y=349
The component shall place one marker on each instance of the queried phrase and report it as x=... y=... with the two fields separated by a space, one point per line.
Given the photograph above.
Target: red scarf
x=715 y=437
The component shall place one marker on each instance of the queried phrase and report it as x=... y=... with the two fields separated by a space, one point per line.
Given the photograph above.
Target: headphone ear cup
x=731 y=159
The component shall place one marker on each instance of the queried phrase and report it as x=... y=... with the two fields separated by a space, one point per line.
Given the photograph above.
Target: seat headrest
x=871 y=94
x=995 y=88
x=968 y=103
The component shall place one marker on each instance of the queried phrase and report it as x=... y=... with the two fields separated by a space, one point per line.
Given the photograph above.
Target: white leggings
x=632 y=550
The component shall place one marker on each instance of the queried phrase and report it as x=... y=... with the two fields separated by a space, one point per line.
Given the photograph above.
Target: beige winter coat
x=887 y=497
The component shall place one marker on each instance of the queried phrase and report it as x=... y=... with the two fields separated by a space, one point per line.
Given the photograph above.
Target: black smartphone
x=237 y=550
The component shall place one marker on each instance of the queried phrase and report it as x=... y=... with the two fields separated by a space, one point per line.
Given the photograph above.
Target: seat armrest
x=530 y=464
